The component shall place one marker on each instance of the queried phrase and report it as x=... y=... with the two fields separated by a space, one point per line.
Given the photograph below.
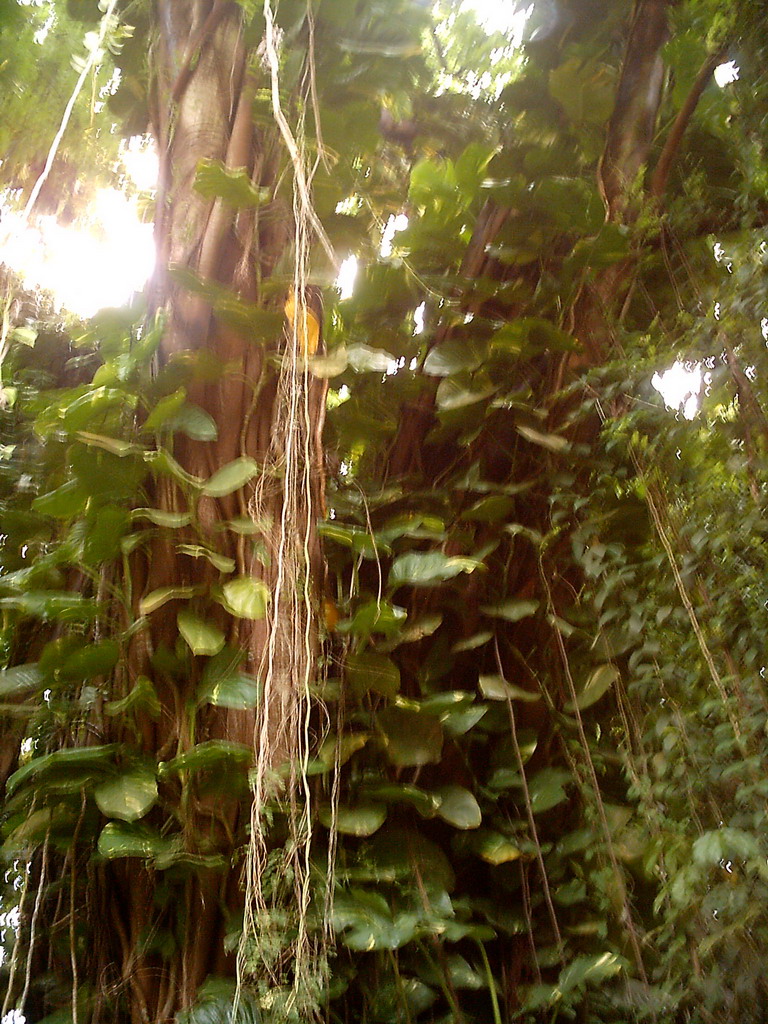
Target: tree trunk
x=202 y=108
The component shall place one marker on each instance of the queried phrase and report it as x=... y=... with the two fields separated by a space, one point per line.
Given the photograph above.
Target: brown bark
x=202 y=108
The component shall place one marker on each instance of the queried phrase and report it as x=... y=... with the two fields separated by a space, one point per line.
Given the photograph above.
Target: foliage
x=543 y=644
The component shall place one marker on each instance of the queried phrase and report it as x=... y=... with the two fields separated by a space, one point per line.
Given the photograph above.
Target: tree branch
x=676 y=132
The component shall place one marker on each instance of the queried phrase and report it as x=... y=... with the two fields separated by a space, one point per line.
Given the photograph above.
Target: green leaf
x=201 y=637
x=158 y=516
x=24 y=336
x=546 y=789
x=593 y=969
x=339 y=749
x=411 y=738
x=460 y=391
x=460 y=721
x=70 y=763
x=495 y=848
x=458 y=807
x=113 y=445
x=215 y=1003
x=221 y=562
x=495 y=687
x=208 y=755
x=554 y=442
x=725 y=844
x=231 y=477
x=194 y=422
x=512 y=610
x=237 y=691
x=61 y=606
x=425 y=802
x=142 y=698
x=129 y=796
x=377 y=617
x=329 y=365
x=157 y=598
x=452 y=356
x=585 y=89
x=598 y=683
x=367 y=923
x=20 y=679
x=492 y=509
x=472 y=642
x=121 y=839
x=164 y=410
x=246 y=597
x=369 y=671
x=428 y=568
x=363 y=358
x=361 y=819
x=95 y=659
x=64 y=502
x=232 y=185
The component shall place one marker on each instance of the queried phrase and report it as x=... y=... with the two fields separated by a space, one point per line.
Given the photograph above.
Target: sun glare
x=501 y=16
x=680 y=387
x=100 y=260
x=726 y=73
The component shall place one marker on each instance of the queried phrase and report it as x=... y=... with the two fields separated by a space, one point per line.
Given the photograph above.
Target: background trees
x=504 y=733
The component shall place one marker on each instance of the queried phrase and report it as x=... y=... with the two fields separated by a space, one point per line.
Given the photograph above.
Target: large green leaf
x=215 y=1004
x=202 y=637
x=339 y=749
x=594 y=968
x=232 y=477
x=122 y=839
x=495 y=848
x=411 y=738
x=96 y=659
x=494 y=687
x=62 y=606
x=64 y=502
x=428 y=568
x=237 y=691
x=142 y=698
x=68 y=765
x=597 y=684
x=554 y=442
x=194 y=422
x=246 y=597
x=164 y=410
x=129 y=796
x=397 y=854
x=370 y=671
x=425 y=802
x=366 y=922
x=547 y=788
x=20 y=679
x=233 y=185
x=208 y=755
x=361 y=819
x=460 y=391
x=157 y=598
x=512 y=610
x=458 y=807
x=453 y=356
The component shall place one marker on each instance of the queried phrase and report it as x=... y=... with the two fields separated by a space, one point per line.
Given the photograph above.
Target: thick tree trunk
x=203 y=112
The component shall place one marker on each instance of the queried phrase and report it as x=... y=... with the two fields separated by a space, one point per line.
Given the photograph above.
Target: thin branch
x=684 y=115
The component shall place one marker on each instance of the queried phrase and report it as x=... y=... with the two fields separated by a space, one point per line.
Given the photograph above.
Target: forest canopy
x=380 y=647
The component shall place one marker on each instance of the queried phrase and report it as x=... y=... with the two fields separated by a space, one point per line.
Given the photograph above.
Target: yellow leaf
x=305 y=321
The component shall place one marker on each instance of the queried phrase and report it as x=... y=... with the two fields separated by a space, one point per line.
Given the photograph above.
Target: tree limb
x=676 y=132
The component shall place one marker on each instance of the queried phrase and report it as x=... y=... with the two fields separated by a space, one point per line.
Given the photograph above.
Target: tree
x=490 y=574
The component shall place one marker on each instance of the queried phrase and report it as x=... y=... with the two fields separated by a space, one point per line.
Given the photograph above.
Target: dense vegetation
x=411 y=670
